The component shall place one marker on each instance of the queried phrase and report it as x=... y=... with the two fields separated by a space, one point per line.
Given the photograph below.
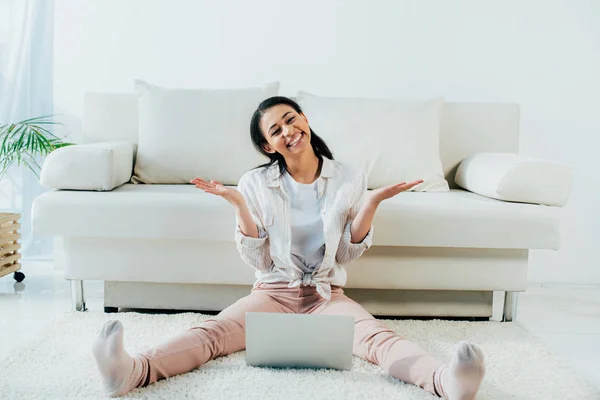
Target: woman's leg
x=404 y=359
x=215 y=337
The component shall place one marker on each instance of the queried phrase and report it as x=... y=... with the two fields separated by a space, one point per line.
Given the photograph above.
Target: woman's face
x=286 y=131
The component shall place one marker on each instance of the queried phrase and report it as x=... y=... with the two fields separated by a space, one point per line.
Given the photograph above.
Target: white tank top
x=308 y=241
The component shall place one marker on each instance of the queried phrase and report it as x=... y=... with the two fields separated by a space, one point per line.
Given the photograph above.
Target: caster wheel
x=19 y=276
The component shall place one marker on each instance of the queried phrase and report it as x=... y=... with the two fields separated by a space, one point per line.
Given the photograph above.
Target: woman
x=300 y=217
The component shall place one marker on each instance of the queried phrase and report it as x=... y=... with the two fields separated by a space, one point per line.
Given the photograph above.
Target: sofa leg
x=77 y=295
x=509 y=313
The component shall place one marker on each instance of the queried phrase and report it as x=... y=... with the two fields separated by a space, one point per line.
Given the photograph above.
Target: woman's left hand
x=387 y=192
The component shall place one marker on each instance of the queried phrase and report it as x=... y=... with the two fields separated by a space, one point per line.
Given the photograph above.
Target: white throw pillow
x=390 y=140
x=184 y=133
x=92 y=166
x=511 y=177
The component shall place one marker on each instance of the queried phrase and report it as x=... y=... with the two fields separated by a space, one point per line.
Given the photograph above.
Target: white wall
x=544 y=55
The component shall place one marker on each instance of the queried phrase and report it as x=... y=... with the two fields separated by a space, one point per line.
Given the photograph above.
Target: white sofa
x=171 y=246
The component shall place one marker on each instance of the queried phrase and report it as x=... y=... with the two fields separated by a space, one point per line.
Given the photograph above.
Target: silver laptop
x=299 y=340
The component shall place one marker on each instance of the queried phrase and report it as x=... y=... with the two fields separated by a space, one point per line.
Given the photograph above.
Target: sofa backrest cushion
x=185 y=133
x=391 y=141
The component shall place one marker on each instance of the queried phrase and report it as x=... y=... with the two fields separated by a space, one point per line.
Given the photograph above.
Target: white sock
x=462 y=378
x=120 y=373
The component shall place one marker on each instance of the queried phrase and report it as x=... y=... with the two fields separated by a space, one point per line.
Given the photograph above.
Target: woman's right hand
x=214 y=187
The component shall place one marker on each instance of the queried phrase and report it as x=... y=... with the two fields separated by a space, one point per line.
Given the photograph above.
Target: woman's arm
x=251 y=237
x=364 y=219
x=357 y=232
x=245 y=221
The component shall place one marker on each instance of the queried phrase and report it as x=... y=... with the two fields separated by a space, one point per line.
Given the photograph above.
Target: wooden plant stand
x=9 y=247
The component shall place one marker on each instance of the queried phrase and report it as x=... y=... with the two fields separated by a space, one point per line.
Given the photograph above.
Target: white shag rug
x=59 y=365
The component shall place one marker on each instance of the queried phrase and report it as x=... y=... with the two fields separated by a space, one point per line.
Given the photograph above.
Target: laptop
x=299 y=340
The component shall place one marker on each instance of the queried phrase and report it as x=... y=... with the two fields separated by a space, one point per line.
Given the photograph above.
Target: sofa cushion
x=512 y=177
x=184 y=133
x=91 y=166
x=446 y=219
x=390 y=140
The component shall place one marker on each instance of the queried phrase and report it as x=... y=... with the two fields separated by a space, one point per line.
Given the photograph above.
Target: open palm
x=217 y=188
x=390 y=191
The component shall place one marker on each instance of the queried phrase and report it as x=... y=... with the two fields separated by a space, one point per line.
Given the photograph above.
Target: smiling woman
x=300 y=218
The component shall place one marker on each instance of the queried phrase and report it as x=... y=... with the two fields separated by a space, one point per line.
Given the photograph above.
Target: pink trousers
x=225 y=334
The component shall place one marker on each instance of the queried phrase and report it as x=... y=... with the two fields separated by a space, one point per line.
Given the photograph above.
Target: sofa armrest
x=95 y=166
x=511 y=177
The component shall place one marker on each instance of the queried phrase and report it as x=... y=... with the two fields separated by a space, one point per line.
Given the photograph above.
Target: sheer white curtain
x=25 y=91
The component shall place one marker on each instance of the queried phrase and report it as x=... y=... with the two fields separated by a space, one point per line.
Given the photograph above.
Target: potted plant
x=21 y=143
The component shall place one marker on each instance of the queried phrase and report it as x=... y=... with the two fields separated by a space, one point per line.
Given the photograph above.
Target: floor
x=567 y=318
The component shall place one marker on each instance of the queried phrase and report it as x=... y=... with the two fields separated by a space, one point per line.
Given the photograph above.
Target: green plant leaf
x=34 y=170
x=45 y=131
x=6 y=163
x=4 y=140
x=22 y=142
x=34 y=161
x=31 y=121
x=14 y=131
x=63 y=144
x=12 y=137
x=44 y=142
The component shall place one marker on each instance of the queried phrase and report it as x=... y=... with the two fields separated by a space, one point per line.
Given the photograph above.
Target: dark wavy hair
x=258 y=138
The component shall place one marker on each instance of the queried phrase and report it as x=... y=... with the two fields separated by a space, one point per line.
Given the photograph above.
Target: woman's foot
x=120 y=372
x=462 y=378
